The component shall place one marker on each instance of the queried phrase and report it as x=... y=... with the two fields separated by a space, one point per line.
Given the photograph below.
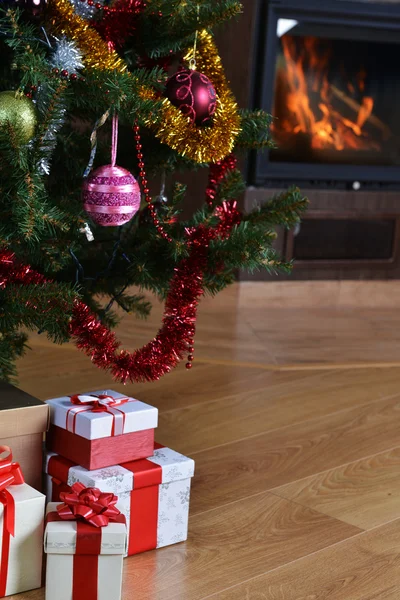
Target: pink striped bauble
x=111 y=196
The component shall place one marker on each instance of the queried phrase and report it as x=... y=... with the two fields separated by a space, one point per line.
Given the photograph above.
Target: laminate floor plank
x=278 y=457
x=230 y=544
x=364 y=493
x=365 y=567
x=282 y=401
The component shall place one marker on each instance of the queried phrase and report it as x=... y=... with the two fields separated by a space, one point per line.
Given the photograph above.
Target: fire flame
x=307 y=103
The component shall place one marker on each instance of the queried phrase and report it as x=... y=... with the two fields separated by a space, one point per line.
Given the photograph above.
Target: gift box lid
x=130 y=416
x=21 y=413
x=165 y=466
x=60 y=536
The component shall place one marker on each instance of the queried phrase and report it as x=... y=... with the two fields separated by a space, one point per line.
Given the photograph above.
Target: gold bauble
x=20 y=112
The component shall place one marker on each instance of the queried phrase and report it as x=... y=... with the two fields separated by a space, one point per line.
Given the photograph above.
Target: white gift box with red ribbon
x=86 y=564
x=102 y=414
x=22 y=567
x=153 y=493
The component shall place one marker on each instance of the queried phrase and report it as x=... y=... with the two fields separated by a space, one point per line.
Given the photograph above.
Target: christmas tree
x=81 y=226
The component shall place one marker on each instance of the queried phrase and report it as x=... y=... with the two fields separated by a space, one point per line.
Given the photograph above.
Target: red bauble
x=193 y=93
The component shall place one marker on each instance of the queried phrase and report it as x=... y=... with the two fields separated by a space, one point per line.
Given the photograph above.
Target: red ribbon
x=89 y=505
x=100 y=403
x=10 y=474
x=147 y=476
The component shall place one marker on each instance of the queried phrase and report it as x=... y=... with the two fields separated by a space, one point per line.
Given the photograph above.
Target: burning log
x=354 y=105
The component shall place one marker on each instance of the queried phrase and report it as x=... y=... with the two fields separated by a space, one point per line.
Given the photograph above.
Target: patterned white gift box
x=153 y=493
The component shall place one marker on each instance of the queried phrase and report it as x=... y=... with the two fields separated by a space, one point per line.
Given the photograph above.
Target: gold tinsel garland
x=96 y=54
x=202 y=144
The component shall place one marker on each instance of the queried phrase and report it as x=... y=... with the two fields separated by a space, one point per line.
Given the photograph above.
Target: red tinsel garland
x=119 y=22
x=175 y=336
x=217 y=173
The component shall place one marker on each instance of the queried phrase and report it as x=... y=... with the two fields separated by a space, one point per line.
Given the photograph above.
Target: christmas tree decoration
x=111 y=194
x=119 y=21
x=143 y=178
x=176 y=335
x=96 y=54
x=86 y=10
x=201 y=144
x=102 y=428
x=21 y=525
x=193 y=93
x=216 y=175
x=85 y=542
x=66 y=57
x=19 y=112
x=153 y=494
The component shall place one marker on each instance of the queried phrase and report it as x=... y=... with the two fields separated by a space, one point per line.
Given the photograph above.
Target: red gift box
x=101 y=429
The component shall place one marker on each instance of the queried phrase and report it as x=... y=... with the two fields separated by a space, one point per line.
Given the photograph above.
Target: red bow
x=10 y=474
x=99 y=403
x=89 y=505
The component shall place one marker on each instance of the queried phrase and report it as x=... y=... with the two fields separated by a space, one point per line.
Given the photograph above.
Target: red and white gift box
x=102 y=428
x=83 y=562
x=153 y=494
x=21 y=529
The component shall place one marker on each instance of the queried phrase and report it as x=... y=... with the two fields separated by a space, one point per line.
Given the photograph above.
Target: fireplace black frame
x=262 y=171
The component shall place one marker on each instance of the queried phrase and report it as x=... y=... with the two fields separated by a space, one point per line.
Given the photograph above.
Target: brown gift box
x=23 y=420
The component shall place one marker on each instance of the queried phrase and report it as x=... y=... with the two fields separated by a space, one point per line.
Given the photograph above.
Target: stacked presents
x=112 y=492
x=106 y=440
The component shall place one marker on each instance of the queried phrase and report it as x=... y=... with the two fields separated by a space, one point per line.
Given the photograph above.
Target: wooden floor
x=292 y=414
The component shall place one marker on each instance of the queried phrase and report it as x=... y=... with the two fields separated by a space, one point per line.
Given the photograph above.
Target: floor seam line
x=385 y=398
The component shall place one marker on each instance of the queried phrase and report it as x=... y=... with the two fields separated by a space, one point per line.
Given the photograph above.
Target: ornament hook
x=192 y=61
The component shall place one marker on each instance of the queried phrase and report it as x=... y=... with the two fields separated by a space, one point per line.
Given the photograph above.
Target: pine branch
x=283 y=209
x=255 y=130
x=175 y=30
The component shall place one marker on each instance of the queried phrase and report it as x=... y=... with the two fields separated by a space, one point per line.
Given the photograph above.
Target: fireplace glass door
x=336 y=95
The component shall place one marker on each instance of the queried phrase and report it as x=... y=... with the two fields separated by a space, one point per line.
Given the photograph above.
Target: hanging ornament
x=201 y=144
x=20 y=112
x=191 y=91
x=111 y=194
x=194 y=94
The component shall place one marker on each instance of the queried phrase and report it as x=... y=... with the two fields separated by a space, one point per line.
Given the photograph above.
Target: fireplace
x=329 y=72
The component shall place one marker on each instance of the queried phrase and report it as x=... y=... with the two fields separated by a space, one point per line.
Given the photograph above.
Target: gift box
x=101 y=429
x=84 y=556
x=153 y=493
x=21 y=529
x=23 y=421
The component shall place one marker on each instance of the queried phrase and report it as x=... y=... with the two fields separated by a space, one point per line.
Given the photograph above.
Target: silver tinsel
x=83 y=9
x=66 y=55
